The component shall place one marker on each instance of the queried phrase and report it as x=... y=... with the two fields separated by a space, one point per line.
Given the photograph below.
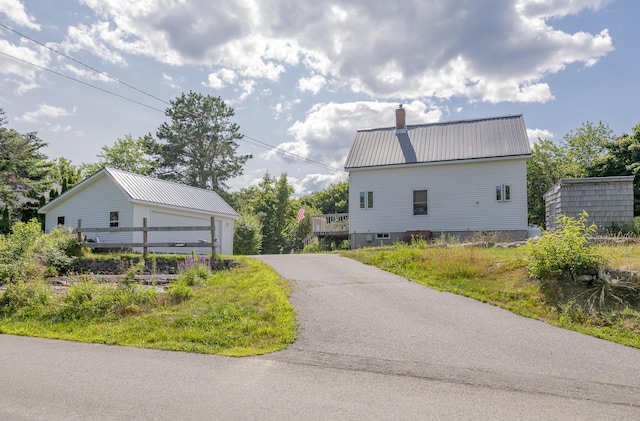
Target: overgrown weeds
x=243 y=311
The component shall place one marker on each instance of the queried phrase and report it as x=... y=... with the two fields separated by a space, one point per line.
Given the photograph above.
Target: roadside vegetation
x=554 y=279
x=237 y=312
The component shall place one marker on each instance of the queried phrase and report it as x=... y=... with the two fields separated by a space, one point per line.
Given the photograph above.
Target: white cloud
x=312 y=84
x=13 y=66
x=536 y=134
x=46 y=112
x=87 y=74
x=221 y=78
x=315 y=182
x=169 y=81
x=485 y=51
x=326 y=134
x=246 y=89
x=15 y=11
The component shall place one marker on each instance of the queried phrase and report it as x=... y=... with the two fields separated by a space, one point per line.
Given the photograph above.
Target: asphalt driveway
x=358 y=317
x=372 y=346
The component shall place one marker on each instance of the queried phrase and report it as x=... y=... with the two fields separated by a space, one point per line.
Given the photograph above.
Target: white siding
x=461 y=197
x=92 y=204
x=162 y=217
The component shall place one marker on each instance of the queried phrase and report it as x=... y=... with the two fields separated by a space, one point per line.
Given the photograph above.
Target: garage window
x=113 y=219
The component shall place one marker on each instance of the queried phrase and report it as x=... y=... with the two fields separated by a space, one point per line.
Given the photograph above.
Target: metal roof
x=494 y=137
x=159 y=192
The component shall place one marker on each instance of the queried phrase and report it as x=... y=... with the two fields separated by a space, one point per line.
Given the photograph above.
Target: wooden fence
x=145 y=244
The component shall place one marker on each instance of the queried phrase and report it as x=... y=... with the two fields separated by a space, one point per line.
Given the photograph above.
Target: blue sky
x=303 y=76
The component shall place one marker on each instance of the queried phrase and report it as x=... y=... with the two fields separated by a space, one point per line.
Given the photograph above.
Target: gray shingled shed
x=607 y=200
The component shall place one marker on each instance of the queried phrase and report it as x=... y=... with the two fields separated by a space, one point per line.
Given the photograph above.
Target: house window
x=113 y=219
x=383 y=236
x=61 y=220
x=503 y=192
x=420 y=202
x=366 y=200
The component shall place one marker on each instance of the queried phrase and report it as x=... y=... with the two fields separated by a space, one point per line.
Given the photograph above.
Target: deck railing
x=335 y=223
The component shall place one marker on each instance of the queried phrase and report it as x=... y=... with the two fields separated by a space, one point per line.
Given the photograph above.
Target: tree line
x=198 y=147
x=592 y=150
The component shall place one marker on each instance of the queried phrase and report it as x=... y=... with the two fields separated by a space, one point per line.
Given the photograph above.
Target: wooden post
x=78 y=232
x=145 y=249
x=213 y=240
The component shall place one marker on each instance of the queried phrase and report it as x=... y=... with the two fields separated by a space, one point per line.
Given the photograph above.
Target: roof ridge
x=110 y=169
x=444 y=123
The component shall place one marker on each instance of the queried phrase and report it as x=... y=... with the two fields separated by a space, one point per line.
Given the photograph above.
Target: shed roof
x=495 y=137
x=151 y=190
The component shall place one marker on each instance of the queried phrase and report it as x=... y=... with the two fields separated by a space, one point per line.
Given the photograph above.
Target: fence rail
x=145 y=244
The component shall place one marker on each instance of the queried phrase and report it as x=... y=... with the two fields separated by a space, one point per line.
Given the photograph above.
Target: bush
x=26 y=299
x=89 y=300
x=565 y=251
x=27 y=253
x=247 y=235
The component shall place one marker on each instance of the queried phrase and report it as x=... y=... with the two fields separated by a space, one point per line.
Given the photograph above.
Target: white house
x=115 y=198
x=453 y=178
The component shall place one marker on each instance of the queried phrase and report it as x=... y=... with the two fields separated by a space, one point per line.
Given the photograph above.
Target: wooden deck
x=330 y=224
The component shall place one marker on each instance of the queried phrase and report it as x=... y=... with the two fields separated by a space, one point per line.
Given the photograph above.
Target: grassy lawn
x=498 y=276
x=244 y=311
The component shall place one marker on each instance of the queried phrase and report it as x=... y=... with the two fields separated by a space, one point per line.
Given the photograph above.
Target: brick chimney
x=400 y=118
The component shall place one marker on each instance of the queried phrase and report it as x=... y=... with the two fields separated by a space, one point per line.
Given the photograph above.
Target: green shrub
x=565 y=251
x=27 y=253
x=312 y=247
x=26 y=299
x=247 y=235
x=89 y=300
x=179 y=291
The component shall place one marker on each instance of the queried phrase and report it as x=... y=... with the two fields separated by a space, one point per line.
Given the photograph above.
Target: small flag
x=300 y=214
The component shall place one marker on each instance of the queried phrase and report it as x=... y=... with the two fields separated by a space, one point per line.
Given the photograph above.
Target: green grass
x=244 y=311
x=498 y=276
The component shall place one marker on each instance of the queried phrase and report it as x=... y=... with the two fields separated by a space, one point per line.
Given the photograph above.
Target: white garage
x=115 y=198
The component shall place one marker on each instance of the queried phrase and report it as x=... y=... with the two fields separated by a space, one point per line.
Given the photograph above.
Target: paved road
x=372 y=346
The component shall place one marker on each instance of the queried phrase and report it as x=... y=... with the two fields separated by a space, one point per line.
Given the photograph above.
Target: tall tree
x=334 y=199
x=573 y=157
x=127 y=154
x=272 y=205
x=586 y=145
x=544 y=169
x=199 y=146
x=66 y=174
x=24 y=170
x=623 y=158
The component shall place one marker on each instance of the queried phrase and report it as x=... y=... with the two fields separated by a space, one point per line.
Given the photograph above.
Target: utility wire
x=80 y=81
x=250 y=140
x=83 y=64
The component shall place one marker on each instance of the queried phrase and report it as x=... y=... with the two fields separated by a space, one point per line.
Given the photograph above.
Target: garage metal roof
x=151 y=190
x=162 y=192
x=494 y=137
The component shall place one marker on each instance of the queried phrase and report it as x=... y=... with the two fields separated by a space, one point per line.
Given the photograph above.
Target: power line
x=254 y=142
x=80 y=81
x=83 y=64
x=284 y=152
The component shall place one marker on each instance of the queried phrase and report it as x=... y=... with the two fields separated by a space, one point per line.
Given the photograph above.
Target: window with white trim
x=113 y=219
x=383 y=236
x=61 y=220
x=503 y=192
x=366 y=200
x=420 y=202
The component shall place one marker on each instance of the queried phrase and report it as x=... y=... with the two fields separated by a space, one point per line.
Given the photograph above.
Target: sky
x=304 y=76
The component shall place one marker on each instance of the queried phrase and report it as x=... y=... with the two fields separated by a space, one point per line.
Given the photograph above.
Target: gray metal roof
x=158 y=192
x=162 y=192
x=494 y=137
